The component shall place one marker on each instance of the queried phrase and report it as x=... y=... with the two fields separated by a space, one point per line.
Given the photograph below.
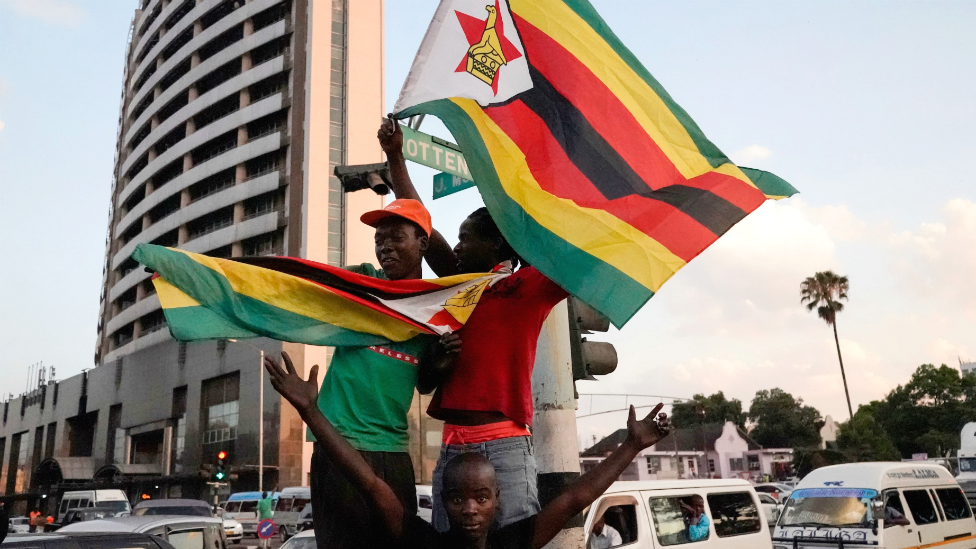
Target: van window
x=734 y=514
x=190 y=538
x=300 y=504
x=284 y=504
x=672 y=520
x=623 y=519
x=953 y=503
x=233 y=507
x=921 y=506
x=248 y=506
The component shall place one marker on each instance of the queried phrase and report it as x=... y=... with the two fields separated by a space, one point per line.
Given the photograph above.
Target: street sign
x=920 y=457
x=434 y=152
x=445 y=184
x=266 y=529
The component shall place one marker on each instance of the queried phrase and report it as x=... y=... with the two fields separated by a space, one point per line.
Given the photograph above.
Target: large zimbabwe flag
x=302 y=301
x=590 y=169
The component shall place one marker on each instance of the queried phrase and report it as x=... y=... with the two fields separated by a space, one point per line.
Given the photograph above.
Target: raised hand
x=651 y=429
x=390 y=136
x=302 y=394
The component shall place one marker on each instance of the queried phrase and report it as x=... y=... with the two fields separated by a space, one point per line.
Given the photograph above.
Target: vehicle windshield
x=182 y=510
x=967 y=465
x=832 y=507
x=117 y=506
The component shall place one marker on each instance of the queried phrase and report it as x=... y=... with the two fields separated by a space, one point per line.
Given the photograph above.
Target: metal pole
x=261 y=421
x=554 y=424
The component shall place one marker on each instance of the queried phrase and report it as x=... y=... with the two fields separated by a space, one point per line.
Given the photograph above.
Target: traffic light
x=590 y=358
x=219 y=473
x=365 y=176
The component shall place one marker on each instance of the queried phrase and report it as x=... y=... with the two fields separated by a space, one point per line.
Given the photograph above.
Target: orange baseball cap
x=409 y=209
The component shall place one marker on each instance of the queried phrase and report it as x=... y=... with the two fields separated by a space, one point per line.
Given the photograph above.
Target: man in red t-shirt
x=486 y=402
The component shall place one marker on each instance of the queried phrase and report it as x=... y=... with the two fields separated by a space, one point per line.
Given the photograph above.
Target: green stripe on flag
x=596 y=282
x=246 y=313
x=773 y=186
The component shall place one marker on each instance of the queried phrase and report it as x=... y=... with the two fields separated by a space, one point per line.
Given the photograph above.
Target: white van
x=648 y=514
x=290 y=503
x=886 y=505
x=112 y=499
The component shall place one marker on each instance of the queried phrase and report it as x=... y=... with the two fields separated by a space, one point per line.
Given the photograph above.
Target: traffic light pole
x=261 y=421
x=554 y=422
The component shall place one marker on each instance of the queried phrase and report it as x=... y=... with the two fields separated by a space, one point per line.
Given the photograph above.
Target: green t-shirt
x=264 y=508
x=367 y=391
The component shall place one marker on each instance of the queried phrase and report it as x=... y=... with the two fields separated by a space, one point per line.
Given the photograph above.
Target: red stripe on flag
x=403 y=287
x=608 y=116
x=557 y=175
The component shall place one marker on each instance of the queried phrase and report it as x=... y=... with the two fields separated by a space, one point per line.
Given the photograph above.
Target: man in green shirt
x=367 y=392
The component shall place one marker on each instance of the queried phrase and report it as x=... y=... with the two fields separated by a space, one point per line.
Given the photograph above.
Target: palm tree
x=823 y=291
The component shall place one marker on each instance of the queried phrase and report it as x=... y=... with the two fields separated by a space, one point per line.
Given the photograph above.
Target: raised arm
x=640 y=435
x=440 y=255
x=303 y=395
x=435 y=368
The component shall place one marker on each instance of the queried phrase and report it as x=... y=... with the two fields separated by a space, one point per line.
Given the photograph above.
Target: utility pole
x=554 y=422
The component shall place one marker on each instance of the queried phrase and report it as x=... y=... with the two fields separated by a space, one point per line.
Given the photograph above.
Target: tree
x=863 y=439
x=711 y=409
x=927 y=414
x=823 y=291
x=783 y=421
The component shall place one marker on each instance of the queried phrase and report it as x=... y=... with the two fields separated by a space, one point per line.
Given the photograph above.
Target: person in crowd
x=486 y=401
x=471 y=490
x=603 y=536
x=695 y=518
x=367 y=391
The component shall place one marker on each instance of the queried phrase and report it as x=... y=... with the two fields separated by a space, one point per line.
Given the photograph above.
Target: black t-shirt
x=418 y=534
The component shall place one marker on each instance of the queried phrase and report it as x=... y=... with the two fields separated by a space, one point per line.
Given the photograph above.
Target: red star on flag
x=474 y=28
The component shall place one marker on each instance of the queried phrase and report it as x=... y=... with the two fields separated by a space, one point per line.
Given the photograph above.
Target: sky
x=866 y=107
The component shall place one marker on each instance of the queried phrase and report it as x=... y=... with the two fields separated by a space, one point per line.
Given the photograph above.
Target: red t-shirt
x=493 y=372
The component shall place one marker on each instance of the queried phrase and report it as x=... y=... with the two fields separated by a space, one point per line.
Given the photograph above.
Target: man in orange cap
x=367 y=391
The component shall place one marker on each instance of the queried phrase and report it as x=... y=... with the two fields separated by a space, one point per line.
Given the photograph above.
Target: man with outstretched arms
x=471 y=491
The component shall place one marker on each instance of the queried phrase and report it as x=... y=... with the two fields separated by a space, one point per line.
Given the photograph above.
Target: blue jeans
x=515 y=470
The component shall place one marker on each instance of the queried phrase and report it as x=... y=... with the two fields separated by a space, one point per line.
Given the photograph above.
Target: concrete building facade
x=233 y=115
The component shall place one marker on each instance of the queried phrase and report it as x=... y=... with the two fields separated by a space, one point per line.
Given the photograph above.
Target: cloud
x=938 y=260
x=751 y=154
x=57 y=12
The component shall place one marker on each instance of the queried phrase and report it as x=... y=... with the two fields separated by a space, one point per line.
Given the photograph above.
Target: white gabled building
x=709 y=451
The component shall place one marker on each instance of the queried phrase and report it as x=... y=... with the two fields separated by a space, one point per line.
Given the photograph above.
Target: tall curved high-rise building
x=233 y=114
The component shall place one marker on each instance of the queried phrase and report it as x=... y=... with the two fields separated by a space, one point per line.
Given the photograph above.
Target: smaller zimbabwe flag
x=593 y=173
x=300 y=301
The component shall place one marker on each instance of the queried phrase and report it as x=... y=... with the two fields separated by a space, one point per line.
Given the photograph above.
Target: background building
x=233 y=114
x=709 y=451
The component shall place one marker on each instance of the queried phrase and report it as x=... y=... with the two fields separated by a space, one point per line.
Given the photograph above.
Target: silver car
x=185 y=532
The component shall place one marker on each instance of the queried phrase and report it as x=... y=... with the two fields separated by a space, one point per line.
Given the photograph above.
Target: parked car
x=174 y=506
x=771 y=508
x=305 y=518
x=882 y=504
x=185 y=532
x=19 y=525
x=114 y=499
x=780 y=492
x=301 y=540
x=425 y=501
x=233 y=530
x=85 y=540
x=288 y=508
x=649 y=514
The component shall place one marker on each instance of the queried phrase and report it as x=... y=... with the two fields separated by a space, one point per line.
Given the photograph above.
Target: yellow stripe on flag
x=171 y=297
x=594 y=231
x=567 y=28
x=305 y=298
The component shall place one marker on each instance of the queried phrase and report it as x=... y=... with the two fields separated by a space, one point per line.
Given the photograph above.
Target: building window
x=711 y=465
x=118 y=449
x=220 y=408
x=753 y=462
x=115 y=450
x=735 y=464
x=653 y=464
x=20 y=483
x=337 y=125
x=179 y=437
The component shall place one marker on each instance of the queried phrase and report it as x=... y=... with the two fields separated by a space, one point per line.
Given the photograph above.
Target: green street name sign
x=434 y=152
x=446 y=183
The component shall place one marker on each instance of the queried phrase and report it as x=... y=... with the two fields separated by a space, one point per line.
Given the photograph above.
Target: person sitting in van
x=603 y=536
x=471 y=491
x=894 y=513
x=695 y=518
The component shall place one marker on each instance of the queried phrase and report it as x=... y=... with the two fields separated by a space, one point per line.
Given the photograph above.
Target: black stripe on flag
x=608 y=171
